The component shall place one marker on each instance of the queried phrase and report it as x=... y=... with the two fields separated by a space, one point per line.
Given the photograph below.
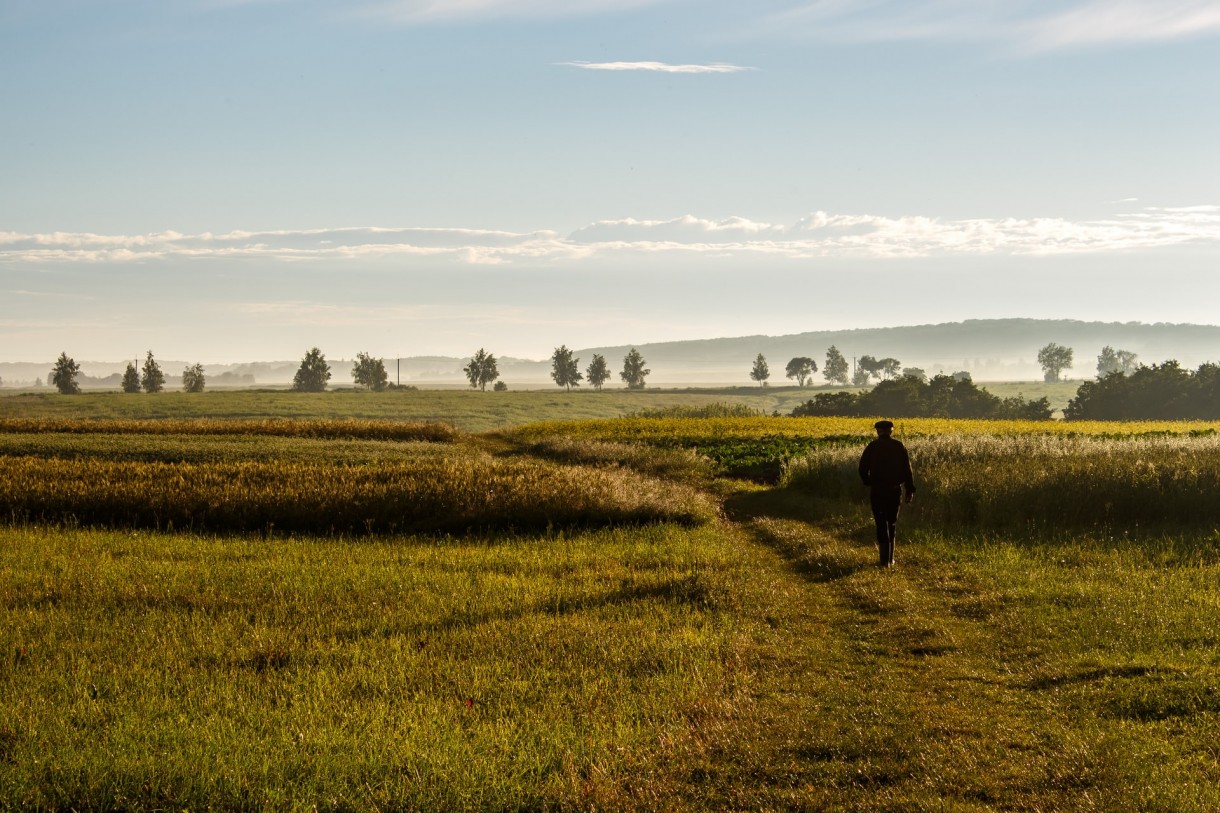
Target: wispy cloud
x=658 y=67
x=457 y=10
x=1105 y=21
x=819 y=234
x=1025 y=24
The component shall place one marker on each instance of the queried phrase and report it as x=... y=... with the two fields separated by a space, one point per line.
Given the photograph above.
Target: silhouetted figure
x=885 y=467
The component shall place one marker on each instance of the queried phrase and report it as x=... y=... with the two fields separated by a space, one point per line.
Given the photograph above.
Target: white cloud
x=1026 y=24
x=658 y=67
x=819 y=234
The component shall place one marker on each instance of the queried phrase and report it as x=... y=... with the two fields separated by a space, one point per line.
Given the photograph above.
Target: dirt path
x=878 y=689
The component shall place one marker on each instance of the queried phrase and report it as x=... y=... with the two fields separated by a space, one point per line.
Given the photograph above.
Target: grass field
x=467 y=410
x=625 y=617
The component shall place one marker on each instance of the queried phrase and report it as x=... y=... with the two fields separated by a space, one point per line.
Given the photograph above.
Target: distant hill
x=990 y=349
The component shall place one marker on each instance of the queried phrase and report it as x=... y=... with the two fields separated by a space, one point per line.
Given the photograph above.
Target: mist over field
x=991 y=350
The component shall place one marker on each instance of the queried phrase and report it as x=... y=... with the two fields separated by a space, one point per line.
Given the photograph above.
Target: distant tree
x=37 y=381
x=598 y=373
x=760 y=372
x=1107 y=362
x=836 y=368
x=862 y=376
x=888 y=368
x=131 y=378
x=193 y=378
x=564 y=369
x=500 y=386
x=1128 y=362
x=870 y=365
x=313 y=373
x=63 y=375
x=1054 y=358
x=370 y=373
x=962 y=375
x=151 y=379
x=482 y=370
x=802 y=369
x=633 y=370
x=917 y=373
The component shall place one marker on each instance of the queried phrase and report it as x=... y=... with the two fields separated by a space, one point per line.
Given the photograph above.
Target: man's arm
x=909 y=482
x=866 y=464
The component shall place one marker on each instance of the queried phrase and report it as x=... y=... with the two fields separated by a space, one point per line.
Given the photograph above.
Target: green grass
x=758 y=660
x=467 y=410
x=170 y=671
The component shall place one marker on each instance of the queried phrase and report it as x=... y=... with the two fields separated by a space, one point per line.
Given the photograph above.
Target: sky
x=239 y=180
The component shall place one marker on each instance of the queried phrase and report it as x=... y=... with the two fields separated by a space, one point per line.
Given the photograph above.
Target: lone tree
x=760 y=372
x=313 y=373
x=481 y=370
x=152 y=379
x=888 y=368
x=193 y=378
x=1112 y=361
x=836 y=367
x=131 y=378
x=633 y=370
x=802 y=369
x=1054 y=358
x=917 y=373
x=63 y=375
x=866 y=368
x=597 y=373
x=370 y=373
x=564 y=369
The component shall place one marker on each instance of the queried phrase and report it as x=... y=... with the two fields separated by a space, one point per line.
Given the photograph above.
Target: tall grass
x=1039 y=483
x=453 y=493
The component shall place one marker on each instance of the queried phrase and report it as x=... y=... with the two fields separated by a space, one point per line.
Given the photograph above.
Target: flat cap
x=883 y=425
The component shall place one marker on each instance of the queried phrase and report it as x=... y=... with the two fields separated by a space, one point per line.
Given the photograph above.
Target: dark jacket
x=885 y=464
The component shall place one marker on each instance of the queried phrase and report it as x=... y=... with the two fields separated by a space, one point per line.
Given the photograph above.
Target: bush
x=910 y=397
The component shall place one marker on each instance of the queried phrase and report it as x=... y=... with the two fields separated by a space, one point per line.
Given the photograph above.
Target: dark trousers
x=885 y=503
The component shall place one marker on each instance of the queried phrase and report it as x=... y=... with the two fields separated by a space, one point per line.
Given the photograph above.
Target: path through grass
x=951 y=682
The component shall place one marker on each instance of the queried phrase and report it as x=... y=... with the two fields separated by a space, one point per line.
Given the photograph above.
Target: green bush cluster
x=1157 y=392
x=910 y=397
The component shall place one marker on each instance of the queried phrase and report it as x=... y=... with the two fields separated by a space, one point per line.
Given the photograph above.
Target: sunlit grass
x=1040 y=483
x=155 y=670
x=469 y=491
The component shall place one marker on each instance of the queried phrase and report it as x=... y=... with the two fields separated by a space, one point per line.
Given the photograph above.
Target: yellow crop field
x=668 y=430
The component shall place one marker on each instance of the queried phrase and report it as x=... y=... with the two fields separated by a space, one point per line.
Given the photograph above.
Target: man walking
x=885 y=468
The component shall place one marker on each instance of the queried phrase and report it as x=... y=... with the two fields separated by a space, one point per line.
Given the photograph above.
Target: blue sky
x=230 y=180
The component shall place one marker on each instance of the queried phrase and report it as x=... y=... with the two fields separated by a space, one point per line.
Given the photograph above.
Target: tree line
x=1124 y=389
x=368 y=373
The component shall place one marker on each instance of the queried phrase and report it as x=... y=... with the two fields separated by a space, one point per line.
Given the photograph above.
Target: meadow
x=672 y=610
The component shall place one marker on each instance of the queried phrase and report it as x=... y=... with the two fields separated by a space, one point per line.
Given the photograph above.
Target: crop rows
x=269 y=427
x=427 y=494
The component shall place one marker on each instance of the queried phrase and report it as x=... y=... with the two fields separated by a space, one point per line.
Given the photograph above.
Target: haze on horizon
x=239 y=180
